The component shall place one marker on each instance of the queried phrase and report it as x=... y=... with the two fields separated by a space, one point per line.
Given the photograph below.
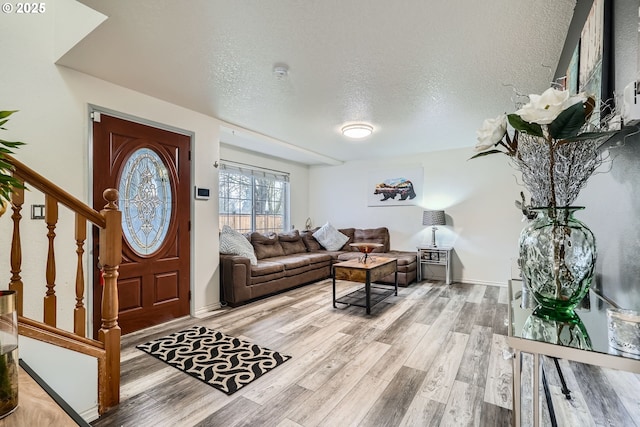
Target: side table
x=438 y=255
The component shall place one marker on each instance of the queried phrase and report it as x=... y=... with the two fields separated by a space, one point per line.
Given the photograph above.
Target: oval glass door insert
x=145 y=201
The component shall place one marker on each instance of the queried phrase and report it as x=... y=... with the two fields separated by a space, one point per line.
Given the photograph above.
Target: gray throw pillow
x=234 y=243
x=330 y=238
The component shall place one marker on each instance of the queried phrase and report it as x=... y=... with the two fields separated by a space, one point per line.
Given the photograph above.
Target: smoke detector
x=281 y=71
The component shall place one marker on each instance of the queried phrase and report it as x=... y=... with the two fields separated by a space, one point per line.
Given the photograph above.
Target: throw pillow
x=330 y=238
x=234 y=243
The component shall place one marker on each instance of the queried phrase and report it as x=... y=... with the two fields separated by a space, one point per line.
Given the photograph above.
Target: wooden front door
x=150 y=167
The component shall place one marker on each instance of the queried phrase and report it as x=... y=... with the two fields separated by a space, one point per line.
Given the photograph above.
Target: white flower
x=580 y=97
x=491 y=132
x=543 y=109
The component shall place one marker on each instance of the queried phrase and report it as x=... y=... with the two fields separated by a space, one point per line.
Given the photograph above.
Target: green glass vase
x=557 y=258
x=562 y=328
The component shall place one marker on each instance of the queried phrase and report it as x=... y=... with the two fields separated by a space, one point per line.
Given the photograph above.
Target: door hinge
x=95 y=116
x=189 y=295
x=189 y=226
x=189 y=155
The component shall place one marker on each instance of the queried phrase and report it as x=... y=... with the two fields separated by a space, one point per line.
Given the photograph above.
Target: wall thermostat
x=202 y=193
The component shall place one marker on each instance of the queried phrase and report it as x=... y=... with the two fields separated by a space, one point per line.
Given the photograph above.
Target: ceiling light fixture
x=357 y=131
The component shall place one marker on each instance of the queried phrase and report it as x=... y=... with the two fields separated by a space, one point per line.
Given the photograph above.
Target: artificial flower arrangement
x=553 y=144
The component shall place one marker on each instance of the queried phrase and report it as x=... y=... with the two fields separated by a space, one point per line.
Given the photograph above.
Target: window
x=253 y=199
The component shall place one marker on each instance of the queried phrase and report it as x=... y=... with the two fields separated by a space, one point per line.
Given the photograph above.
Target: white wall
x=73 y=375
x=53 y=120
x=478 y=197
x=298 y=174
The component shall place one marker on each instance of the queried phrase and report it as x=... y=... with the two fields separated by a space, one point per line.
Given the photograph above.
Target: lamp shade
x=433 y=218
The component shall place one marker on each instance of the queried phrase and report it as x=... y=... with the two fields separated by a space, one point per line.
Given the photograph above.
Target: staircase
x=106 y=349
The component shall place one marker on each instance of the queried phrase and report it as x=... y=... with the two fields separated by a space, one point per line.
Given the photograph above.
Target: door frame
x=92 y=109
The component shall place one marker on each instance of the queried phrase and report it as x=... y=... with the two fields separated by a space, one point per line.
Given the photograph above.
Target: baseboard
x=90 y=414
x=207 y=310
x=483 y=282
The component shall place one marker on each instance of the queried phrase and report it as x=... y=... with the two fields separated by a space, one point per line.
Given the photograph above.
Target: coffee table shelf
x=359 y=297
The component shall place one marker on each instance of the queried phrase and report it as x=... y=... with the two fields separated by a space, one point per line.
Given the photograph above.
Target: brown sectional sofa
x=291 y=259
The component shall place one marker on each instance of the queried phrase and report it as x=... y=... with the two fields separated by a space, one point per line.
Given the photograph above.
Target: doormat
x=220 y=360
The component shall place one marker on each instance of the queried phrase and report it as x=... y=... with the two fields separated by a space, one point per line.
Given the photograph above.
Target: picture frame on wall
x=594 y=57
x=394 y=187
x=571 y=78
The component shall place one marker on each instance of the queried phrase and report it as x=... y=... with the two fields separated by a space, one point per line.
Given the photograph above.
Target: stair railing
x=107 y=348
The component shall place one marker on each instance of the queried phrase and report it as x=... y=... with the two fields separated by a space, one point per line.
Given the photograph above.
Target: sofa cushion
x=291 y=262
x=265 y=272
x=403 y=257
x=292 y=243
x=319 y=257
x=266 y=246
x=309 y=241
x=267 y=267
x=350 y=233
x=373 y=235
x=234 y=243
x=330 y=238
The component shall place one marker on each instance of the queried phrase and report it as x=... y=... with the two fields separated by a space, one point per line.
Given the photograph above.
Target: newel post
x=110 y=257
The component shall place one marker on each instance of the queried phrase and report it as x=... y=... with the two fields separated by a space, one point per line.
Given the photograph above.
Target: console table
x=594 y=320
x=438 y=255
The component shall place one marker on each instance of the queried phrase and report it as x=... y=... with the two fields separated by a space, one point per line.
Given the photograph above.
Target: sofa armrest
x=235 y=277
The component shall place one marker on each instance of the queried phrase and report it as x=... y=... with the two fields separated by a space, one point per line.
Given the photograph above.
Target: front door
x=150 y=168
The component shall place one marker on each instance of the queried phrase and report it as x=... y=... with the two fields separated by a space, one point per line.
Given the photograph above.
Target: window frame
x=255 y=178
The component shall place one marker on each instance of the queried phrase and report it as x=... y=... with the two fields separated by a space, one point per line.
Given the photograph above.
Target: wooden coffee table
x=357 y=271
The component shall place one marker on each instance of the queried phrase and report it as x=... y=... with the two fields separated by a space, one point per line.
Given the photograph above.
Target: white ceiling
x=424 y=73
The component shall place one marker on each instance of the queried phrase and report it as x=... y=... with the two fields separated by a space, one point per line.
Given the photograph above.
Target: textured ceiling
x=424 y=73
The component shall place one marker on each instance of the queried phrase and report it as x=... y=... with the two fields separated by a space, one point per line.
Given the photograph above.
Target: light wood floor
x=433 y=355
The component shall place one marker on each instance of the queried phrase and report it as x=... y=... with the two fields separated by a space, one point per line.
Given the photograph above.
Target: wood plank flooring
x=599 y=396
x=431 y=356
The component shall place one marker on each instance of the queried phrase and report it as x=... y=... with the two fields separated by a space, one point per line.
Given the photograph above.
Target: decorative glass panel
x=145 y=201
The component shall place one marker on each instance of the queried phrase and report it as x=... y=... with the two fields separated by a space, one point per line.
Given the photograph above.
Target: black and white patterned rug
x=220 y=360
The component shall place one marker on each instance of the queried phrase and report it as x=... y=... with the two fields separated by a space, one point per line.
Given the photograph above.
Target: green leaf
x=569 y=122
x=520 y=125
x=12 y=144
x=5 y=114
x=486 y=153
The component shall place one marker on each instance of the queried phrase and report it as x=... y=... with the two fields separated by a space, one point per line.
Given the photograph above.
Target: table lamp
x=433 y=218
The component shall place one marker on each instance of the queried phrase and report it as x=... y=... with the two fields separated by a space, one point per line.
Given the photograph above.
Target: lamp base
x=433 y=237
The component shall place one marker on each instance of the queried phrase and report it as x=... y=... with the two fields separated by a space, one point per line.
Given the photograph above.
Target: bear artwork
x=390 y=188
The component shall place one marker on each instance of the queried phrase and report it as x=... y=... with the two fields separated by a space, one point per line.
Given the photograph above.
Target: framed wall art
x=595 y=54
x=590 y=66
x=394 y=187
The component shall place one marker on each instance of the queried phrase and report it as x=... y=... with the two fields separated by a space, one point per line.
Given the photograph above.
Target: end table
x=438 y=255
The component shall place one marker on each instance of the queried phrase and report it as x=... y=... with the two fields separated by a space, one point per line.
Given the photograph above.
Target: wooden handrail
x=38 y=330
x=41 y=183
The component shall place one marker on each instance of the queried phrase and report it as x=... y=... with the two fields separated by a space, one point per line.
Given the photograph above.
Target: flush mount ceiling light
x=357 y=131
